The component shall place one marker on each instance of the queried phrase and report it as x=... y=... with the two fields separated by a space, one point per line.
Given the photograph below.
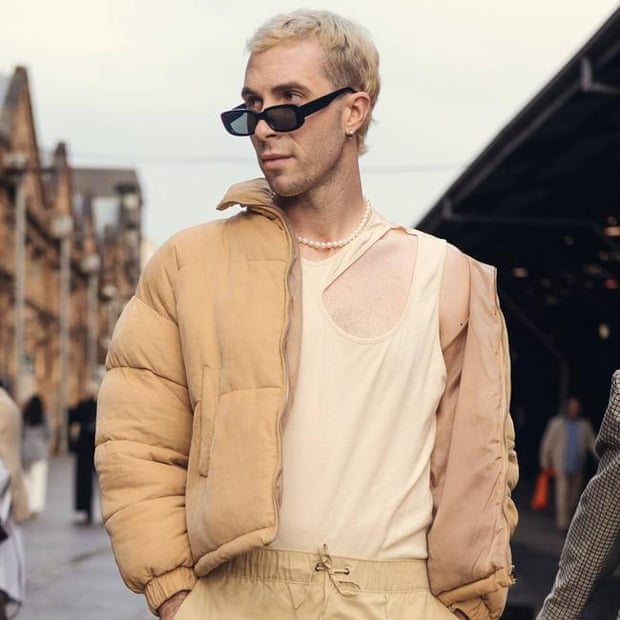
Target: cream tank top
x=358 y=440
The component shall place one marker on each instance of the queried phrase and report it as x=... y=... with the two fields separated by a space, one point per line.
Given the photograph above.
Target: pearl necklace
x=340 y=243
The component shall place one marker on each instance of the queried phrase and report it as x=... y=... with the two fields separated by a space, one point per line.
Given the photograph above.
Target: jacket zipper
x=505 y=365
x=293 y=256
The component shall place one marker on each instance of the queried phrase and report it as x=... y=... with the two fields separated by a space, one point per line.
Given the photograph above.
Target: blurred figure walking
x=565 y=445
x=591 y=551
x=83 y=439
x=13 y=507
x=35 y=452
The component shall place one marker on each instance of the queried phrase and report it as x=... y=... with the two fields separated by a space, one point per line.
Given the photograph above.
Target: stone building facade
x=64 y=276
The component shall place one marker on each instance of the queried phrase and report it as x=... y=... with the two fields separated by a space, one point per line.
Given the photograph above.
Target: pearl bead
x=340 y=243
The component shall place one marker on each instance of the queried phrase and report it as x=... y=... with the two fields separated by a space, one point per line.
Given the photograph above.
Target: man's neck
x=326 y=214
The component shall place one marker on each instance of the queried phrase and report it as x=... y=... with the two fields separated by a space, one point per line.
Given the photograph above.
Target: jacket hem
x=484 y=599
x=238 y=546
x=161 y=588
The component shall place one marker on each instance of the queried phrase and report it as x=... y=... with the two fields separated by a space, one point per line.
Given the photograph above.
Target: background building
x=69 y=260
x=541 y=203
x=108 y=207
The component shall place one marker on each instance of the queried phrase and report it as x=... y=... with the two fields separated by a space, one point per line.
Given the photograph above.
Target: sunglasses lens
x=242 y=122
x=282 y=118
x=239 y=122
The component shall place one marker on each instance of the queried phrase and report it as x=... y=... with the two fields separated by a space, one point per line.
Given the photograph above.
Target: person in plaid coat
x=591 y=550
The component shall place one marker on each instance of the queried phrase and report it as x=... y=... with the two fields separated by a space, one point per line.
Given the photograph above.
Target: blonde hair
x=351 y=58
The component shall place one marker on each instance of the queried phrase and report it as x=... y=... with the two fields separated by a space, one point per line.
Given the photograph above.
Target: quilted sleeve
x=143 y=433
x=474 y=466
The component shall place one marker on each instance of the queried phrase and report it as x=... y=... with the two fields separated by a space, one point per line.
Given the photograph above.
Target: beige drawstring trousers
x=282 y=585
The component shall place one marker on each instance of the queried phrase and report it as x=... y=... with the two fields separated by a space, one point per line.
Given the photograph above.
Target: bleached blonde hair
x=351 y=58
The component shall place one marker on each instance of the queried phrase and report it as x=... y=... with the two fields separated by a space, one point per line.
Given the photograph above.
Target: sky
x=141 y=83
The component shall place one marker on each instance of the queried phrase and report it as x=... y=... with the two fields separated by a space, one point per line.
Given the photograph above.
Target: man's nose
x=263 y=130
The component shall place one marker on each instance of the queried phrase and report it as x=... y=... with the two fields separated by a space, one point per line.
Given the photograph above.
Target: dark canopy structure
x=542 y=203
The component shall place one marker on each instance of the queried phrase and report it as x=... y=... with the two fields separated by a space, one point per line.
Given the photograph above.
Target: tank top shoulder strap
x=430 y=259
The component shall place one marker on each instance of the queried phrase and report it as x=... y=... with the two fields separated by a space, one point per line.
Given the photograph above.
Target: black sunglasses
x=242 y=122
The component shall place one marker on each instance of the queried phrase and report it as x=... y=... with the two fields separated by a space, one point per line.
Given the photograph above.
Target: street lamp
x=62 y=227
x=109 y=293
x=90 y=266
x=130 y=200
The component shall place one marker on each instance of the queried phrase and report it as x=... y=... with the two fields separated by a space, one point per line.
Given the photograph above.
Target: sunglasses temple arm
x=323 y=102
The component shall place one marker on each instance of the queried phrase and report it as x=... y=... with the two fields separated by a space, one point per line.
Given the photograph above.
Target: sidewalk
x=71 y=574
x=70 y=570
x=536 y=548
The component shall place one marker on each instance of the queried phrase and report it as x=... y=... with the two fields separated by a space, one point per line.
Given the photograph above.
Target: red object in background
x=540 y=499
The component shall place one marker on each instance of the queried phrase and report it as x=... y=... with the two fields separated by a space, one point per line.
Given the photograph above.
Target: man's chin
x=281 y=188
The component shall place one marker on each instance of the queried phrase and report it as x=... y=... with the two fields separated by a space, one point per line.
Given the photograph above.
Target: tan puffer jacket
x=200 y=373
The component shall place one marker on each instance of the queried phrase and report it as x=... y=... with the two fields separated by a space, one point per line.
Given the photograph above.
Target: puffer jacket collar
x=254 y=194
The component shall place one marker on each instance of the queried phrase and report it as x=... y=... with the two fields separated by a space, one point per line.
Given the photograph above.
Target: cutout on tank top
x=369 y=298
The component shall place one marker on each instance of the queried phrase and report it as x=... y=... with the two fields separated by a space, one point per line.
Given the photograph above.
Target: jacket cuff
x=161 y=588
x=474 y=609
x=481 y=600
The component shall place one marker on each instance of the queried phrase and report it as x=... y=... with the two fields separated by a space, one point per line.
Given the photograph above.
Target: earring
x=349 y=134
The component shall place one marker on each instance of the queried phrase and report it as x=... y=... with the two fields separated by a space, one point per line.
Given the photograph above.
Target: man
x=592 y=547
x=566 y=442
x=257 y=465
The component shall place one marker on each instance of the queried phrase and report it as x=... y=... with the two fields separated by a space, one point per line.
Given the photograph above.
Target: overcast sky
x=141 y=83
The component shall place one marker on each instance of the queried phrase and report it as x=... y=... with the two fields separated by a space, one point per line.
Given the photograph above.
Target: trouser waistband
x=300 y=567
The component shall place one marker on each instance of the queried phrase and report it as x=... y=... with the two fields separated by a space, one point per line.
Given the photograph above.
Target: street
x=71 y=574
x=70 y=570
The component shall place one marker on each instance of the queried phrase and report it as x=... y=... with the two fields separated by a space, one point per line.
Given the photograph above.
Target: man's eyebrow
x=246 y=91
x=281 y=88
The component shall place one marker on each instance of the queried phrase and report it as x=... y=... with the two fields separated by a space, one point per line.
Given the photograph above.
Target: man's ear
x=357 y=110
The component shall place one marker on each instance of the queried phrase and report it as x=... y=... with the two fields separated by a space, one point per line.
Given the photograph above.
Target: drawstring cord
x=344 y=586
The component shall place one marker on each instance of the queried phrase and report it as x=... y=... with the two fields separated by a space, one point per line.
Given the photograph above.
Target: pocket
x=419 y=603
x=187 y=610
x=210 y=396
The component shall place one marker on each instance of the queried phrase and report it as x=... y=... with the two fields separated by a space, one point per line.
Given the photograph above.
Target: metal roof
x=104 y=182
x=98 y=191
x=542 y=203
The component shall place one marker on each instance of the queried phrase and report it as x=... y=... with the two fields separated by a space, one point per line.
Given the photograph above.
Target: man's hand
x=168 y=609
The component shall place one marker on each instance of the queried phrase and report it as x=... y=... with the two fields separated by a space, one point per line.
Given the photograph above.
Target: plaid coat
x=592 y=548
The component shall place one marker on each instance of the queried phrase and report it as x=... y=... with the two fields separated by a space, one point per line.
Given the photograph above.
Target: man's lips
x=273 y=159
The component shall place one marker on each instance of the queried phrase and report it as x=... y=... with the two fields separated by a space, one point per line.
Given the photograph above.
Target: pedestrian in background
x=83 y=441
x=35 y=452
x=566 y=442
x=13 y=506
x=591 y=551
